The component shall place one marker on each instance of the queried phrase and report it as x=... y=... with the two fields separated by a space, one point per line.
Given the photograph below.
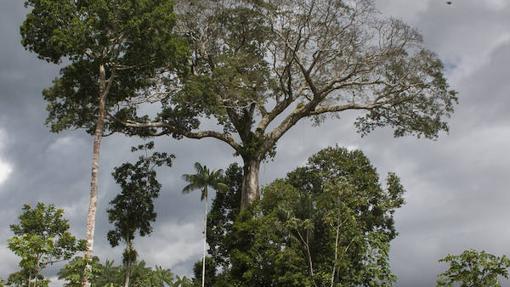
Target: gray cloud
x=457 y=187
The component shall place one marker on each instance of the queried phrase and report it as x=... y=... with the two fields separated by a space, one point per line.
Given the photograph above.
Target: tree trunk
x=127 y=276
x=205 y=240
x=98 y=136
x=129 y=258
x=250 y=189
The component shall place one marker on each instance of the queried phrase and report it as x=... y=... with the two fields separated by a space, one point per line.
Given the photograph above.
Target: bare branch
x=227 y=138
x=341 y=108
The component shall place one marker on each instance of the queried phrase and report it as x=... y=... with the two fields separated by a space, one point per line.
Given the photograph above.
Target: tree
x=132 y=210
x=41 y=238
x=260 y=67
x=473 y=268
x=202 y=180
x=112 y=50
x=329 y=223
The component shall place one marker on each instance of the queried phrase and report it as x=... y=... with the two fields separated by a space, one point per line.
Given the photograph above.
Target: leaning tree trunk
x=98 y=136
x=250 y=190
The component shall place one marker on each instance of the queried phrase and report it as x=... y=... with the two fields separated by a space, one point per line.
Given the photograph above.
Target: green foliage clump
x=329 y=223
x=473 y=269
x=41 y=238
x=110 y=275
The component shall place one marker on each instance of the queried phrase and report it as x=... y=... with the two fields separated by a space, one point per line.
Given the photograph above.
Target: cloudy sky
x=457 y=187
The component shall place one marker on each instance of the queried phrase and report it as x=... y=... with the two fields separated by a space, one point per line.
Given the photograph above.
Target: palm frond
x=189 y=188
x=204 y=178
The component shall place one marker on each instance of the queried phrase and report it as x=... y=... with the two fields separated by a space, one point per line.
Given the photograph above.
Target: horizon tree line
x=327 y=223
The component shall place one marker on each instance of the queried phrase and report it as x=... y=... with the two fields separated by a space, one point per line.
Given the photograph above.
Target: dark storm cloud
x=457 y=187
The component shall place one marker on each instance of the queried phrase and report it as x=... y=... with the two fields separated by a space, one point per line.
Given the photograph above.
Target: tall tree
x=329 y=223
x=202 y=180
x=261 y=67
x=111 y=49
x=132 y=210
x=473 y=268
x=41 y=238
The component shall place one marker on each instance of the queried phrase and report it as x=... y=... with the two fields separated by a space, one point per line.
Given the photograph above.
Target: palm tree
x=202 y=180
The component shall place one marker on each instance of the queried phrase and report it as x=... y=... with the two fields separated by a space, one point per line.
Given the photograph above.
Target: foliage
x=224 y=212
x=327 y=224
x=210 y=272
x=41 y=238
x=110 y=275
x=473 y=268
x=131 y=40
x=73 y=272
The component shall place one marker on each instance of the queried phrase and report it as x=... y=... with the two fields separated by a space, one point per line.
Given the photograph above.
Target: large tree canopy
x=131 y=40
x=260 y=67
x=327 y=224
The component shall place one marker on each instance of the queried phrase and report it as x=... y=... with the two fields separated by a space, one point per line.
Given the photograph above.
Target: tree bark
x=250 y=190
x=127 y=265
x=127 y=276
x=98 y=136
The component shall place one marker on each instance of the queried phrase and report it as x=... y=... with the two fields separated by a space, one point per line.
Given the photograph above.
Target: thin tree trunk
x=306 y=247
x=310 y=261
x=127 y=276
x=250 y=188
x=205 y=241
x=98 y=135
x=128 y=263
x=333 y=272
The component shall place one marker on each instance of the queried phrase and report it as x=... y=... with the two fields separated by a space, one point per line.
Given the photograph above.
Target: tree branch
x=340 y=108
x=227 y=138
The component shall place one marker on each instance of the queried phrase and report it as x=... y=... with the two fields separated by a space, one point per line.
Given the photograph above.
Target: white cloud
x=66 y=144
x=173 y=244
x=405 y=9
x=5 y=167
x=497 y=4
x=5 y=171
x=8 y=262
